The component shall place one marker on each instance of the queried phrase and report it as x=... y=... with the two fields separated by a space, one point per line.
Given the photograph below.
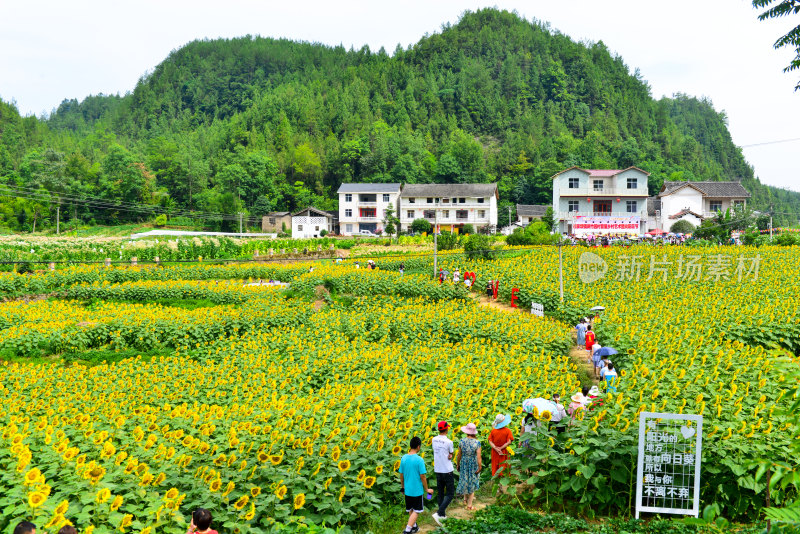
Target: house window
x=430 y=200
x=411 y=200
x=461 y=215
x=348 y=213
x=446 y=214
x=598 y=185
x=410 y=214
x=299 y=227
x=348 y=197
x=429 y=214
x=716 y=205
x=633 y=183
x=574 y=183
x=316 y=228
x=367 y=213
x=738 y=205
x=445 y=201
x=462 y=200
x=272 y=220
x=631 y=205
x=480 y=200
x=481 y=214
x=455 y=200
x=348 y=228
x=386 y=198
x=602 y=206
x=572 y=205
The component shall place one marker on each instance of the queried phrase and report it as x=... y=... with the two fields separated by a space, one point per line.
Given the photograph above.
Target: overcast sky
x=51 y=50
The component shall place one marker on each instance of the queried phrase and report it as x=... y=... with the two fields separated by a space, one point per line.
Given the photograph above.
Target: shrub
x=682 y=227
x=421 y=226
x=161 y=220
x=323 y=233
x=447 y=241
x=468 y=229
x=478 y=246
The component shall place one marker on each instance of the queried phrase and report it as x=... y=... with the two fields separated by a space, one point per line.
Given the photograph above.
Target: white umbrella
x=543 y=404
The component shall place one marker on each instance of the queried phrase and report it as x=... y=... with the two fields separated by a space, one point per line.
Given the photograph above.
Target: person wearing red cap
x=443 y=467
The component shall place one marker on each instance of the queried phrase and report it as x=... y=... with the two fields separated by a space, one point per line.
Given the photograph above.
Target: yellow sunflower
x=116 y=503
x=342 y=492
x=379 y=469
x=281 y=491
x=255 y=491
x=369 y=482
x=344 y=465
x=299 y=501
x=36 y=499
x=102 y=496
x=242 y=502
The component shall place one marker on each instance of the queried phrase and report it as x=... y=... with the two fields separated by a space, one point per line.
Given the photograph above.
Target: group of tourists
x=539 y=413
x=444 y=276
x=598 y=356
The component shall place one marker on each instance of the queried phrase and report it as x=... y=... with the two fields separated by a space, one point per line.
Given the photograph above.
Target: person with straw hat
x=500 y=438
x=469 y=464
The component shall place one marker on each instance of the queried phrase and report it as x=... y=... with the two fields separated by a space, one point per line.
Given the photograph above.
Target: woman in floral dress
x=469 y=464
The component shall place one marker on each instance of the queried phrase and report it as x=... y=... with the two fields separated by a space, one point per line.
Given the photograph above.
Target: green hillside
x=255 y=124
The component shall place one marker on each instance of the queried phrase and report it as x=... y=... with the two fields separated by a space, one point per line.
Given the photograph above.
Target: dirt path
x=456 y=510
x=580 y=356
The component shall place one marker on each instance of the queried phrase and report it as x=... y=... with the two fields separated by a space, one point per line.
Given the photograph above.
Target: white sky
x=52 y=49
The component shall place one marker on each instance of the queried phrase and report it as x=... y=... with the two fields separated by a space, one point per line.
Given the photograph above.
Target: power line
x=772 y=142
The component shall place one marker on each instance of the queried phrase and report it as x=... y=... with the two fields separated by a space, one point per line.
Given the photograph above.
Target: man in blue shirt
x=414 y=483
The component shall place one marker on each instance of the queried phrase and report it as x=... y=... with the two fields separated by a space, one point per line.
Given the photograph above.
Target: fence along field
x=270 y=413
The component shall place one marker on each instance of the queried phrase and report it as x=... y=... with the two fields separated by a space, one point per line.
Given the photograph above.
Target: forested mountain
x=254 y=124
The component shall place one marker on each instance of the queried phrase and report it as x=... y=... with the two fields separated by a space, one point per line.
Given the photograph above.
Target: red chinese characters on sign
x=588 y=225
x=514 y=297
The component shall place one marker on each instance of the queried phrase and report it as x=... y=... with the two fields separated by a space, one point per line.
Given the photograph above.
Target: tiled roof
x=708 y=189
x=312 y=209
x=369 y=188
x=600 y=173
x=653 y=205
x=531 y=210
x=449 y=190
x=683 y=212
x=277 y=214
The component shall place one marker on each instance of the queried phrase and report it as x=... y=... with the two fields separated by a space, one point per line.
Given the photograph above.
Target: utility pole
x=435 y=233
x=770 y=227
x=240 y=222
x=509 y=215
x=560 y=272
x=58 y=217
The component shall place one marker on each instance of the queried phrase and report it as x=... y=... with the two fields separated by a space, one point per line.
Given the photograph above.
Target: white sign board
x=668 y=470
x=537 y=309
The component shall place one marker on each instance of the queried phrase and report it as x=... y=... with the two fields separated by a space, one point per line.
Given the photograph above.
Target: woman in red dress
x=499 y=438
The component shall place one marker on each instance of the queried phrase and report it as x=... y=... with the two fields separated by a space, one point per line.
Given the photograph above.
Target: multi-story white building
x=451 y=206
x=695 y=201
x=600 y=201
x=363 y=206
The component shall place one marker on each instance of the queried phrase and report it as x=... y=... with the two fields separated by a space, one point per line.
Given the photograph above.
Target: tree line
x=252 y=124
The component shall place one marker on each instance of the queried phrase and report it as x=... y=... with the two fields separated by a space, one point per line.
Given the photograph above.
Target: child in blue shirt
x=414 y=483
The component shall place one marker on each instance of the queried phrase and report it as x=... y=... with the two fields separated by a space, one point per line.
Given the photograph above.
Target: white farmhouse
x=451 y=206
x=363 y=206
x=600 y=201
x=695 y=201
x=310 y=222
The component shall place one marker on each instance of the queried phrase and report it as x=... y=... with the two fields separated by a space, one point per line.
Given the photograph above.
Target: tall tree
x=792 y=39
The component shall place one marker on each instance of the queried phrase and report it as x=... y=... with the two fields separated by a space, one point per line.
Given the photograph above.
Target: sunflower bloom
x=36 y=499
x=369 y=482
x=344 y=465
x=299 y=501
x=241 y=502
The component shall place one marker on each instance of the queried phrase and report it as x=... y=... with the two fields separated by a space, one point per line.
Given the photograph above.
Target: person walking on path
x=581 y=331
x=589 y=339
x=443 y=467
x=414 y=483
x=468 y=460
x=500 y=438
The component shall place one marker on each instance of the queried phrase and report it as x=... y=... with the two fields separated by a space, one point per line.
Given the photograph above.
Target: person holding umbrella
x=599 y=354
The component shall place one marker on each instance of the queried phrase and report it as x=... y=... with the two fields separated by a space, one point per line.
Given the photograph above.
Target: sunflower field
x=273 y=410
